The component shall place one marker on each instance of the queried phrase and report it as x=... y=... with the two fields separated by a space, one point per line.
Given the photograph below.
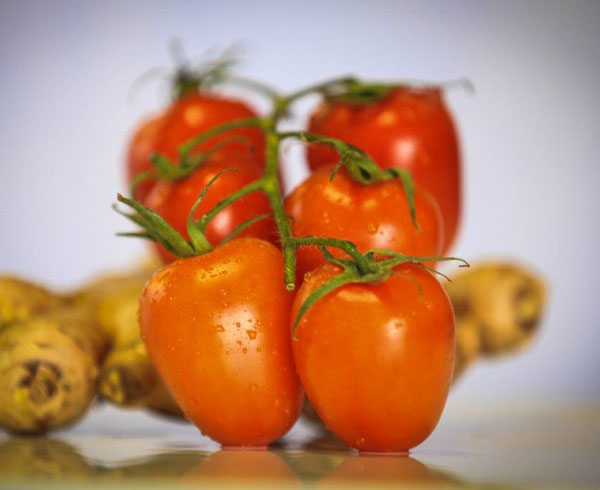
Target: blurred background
x=529 y=136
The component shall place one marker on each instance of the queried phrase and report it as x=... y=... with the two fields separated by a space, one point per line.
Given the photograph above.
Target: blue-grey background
x=530 y=135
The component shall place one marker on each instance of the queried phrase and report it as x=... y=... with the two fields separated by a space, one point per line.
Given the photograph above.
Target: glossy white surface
x=526 y=445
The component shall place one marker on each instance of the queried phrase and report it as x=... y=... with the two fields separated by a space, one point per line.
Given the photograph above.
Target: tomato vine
x=372 y=266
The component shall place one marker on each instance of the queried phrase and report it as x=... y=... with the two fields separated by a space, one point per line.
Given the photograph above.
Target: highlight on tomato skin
x=173 y=200
x=185 y=118
x=375 y=216
x=376 y=360
x=216 y=327
x=410 y=128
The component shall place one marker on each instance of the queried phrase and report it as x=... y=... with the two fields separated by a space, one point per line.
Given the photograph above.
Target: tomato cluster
x=369 y=336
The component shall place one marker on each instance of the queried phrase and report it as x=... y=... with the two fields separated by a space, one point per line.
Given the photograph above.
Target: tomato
x=141 y=147
x=189 y=116
x=173 y=200
x=410 y=128
x=376 y=359
x=216 y=327
x=374 y=216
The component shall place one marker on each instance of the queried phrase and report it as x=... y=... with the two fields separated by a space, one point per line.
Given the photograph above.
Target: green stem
x=255 y=85
x=237 y=195
x=282 y=103
x=188 y=146
x=272 y=190
x=361 y=262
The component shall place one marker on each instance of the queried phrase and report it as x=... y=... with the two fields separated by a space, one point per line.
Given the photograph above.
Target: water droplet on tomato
x=372 y=228
x=251 y=334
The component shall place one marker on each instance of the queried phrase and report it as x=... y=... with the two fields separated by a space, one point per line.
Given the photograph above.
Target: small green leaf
x=194 y=229
x=347 y=276
x=162 y=164
x=160 y=230
x=135 y=234
x=139 y=178
x=409 y=190
x=242 y=226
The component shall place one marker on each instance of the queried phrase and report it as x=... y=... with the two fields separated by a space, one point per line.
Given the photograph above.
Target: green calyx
x=156 y=228
x=358 y=92
x=165 y=169
x=361 y=167
x=189 y=80
x=381 y=264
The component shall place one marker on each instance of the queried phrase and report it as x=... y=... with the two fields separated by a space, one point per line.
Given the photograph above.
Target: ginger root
x=48 y=370
x=129 y=379
x=498 y=306
x=21 y=299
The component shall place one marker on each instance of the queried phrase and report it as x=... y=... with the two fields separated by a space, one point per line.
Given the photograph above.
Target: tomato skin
x=141 y=147
x=185 y=118
x=376 y=360
x=410 y=128
x=370 y=216
x=173 y=200
x=201 y=111
x=216 y=327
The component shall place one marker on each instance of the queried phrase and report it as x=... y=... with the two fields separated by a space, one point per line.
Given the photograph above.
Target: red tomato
x=374 y=216
x=189 y=116
x=410 y=128
x=376 y=359
x=216 y=327
x=173 y=200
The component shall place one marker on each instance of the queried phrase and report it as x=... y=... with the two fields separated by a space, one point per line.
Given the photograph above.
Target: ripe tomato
x=173 y=200
x=216 y=327
x=189 y=116
x=374 y=216
x=410 y=128
x=376 y=359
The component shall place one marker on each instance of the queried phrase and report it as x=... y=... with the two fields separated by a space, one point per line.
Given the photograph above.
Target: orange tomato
x=375 y=216
x=376 y=360
x=216 y=327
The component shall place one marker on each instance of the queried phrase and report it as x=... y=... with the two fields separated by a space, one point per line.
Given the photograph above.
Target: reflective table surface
x=530 y=445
